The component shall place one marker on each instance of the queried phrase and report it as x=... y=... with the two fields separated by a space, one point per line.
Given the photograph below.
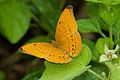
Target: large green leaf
x=107 y=15
x=93 y=10
x=49 y=13
x=116 y=32
x=36 y=73
x=33 y=76
x=70 y=70
x=114 y=71
x=110 y=14
x=89 y=25
x=101 y=43
x=97 y=68
x=91 y=45
x=57 y=4
x=14 y=19
x=116 y=27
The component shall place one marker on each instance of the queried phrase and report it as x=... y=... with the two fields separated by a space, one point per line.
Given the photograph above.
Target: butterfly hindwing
x=66 y=33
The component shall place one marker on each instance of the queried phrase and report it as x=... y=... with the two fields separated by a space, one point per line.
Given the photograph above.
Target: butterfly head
x=21 y=50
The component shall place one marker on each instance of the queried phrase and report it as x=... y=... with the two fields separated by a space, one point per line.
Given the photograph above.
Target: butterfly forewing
x=47 y=51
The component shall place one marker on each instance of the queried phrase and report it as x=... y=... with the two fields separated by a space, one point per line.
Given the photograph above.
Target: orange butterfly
x=68 y=41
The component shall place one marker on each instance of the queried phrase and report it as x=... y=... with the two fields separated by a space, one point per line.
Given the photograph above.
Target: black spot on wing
x=49 y=54
x=34 y=44
x=60 y=22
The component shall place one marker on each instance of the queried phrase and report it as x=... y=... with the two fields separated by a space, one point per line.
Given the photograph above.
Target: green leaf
x=97 y=68
x=2 y=75
x=116 y=27
x=49 y=13
x=106 y=2
x=84 y=56
x=14 y=19
x=114 y=70
x=116 y=33
x=39 y=39
x=108 y=15
x=93 y=10
x=70 y=70
x=57 y=4
x=95 y=53
x=101 y=42
x=89 y=25
x=36 y=74
x=95 y=1
x=2 y=0
x=90 y=44
x=33 y=76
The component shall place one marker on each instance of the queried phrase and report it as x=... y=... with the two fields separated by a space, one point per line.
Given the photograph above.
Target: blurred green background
x=25 y=21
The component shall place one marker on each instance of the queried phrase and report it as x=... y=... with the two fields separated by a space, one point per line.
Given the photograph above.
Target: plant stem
x=95 y=74
x=103 y=35
x=117 y=37
x=110 y=65
x=110 y=33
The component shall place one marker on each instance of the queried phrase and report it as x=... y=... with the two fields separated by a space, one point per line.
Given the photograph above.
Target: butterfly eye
x=21 y=50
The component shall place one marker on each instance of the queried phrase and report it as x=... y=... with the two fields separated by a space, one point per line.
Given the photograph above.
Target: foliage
x=14 y=19
x=2 y=75
x=18 y=17
x=105 y=12
x=70 y=70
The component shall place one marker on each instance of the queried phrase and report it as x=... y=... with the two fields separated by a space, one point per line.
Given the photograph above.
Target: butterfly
x=67 y=43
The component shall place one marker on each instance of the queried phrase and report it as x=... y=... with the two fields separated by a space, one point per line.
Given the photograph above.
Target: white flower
x=109 y=54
